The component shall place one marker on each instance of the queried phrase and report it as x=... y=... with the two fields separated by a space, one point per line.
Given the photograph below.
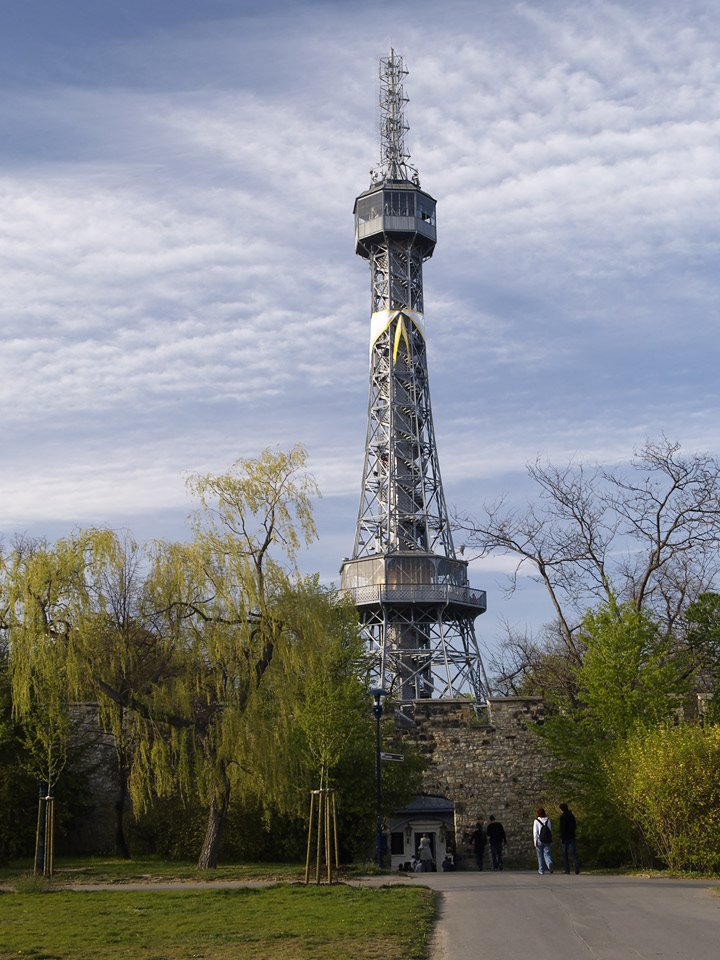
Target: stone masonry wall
x=491 y=763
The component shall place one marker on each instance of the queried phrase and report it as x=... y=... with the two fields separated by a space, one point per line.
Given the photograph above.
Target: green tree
x=219 y=671
x=323 y=674
x=632 y=673
x=41 y=619
x=631 y=676
x=702 y=631
x=41 y=589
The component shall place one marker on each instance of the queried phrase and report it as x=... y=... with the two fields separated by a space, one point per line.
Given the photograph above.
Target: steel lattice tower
x=416 y=606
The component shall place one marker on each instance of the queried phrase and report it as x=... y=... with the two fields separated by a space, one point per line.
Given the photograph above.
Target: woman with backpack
x=542 y=838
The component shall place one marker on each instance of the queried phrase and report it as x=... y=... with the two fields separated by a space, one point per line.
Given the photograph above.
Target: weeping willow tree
x=211 y=607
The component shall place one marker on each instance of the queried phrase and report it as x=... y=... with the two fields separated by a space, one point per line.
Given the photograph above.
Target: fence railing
x=418 y=593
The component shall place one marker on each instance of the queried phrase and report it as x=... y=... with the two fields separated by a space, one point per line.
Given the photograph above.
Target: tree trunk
x=217 y=815
x=121 y=847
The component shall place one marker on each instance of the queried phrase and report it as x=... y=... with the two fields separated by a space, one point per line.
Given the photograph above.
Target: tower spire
x=416 y=607
x=394 y=157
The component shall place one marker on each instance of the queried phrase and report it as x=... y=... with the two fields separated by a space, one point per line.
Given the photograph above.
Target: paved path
x=517 y=915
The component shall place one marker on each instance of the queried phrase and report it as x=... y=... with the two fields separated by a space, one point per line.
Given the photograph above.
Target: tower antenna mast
x=394 y=157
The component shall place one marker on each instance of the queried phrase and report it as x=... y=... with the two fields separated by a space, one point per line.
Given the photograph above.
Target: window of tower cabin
x=369 y=208
x=426 y=210
x=399 y=203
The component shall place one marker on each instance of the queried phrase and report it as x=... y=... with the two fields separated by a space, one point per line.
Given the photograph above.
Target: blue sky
x=179 y=287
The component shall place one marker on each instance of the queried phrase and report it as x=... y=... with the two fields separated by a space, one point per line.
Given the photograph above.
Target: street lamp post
x=378 y=693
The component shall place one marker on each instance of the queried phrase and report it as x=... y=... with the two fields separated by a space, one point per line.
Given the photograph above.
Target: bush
x=665 y=781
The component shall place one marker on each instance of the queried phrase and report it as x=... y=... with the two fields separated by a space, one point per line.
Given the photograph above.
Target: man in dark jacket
x=478 y=840
x=496 y=837
x=567 y=838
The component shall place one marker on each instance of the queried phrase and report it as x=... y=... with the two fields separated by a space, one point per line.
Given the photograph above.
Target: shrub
x=665 y=781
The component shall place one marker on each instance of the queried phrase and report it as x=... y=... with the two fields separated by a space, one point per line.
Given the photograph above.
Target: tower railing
x=433 y=593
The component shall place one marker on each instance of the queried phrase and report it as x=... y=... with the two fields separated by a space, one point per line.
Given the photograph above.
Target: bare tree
x=524 y=665
x=648 y=535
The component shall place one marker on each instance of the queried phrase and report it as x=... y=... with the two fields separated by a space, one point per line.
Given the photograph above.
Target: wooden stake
x=337 y=851
x=49 y=835
x=323 y=813
x=38 y=837
x=309 y=843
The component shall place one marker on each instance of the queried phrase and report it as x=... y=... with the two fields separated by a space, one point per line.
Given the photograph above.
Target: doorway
x=431 y=837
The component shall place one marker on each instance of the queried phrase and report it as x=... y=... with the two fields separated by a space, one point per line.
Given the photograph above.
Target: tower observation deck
x=416 y=606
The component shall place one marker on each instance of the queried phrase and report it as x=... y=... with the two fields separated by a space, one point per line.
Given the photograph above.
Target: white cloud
x=179 y=285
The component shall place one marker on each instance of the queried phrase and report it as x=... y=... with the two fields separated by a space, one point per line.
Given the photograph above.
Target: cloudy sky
x=179 y=286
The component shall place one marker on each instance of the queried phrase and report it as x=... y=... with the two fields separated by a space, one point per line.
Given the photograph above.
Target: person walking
x=568 y=827
x=496 y=838
x=478 y=839
x=542 y=838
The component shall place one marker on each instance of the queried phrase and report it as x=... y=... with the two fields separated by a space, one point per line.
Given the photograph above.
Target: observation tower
x=416 y=606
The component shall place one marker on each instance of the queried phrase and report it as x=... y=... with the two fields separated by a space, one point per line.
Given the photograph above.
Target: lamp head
x=378 y=693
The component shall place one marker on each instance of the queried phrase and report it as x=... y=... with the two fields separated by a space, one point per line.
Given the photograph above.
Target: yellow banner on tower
x=382 y=319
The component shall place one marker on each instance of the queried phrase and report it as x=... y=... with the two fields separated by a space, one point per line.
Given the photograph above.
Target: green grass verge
x=149 y=870
x=273 y=923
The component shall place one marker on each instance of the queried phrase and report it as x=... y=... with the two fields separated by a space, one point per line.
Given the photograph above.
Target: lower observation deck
x=417 y=613
x=463 y=600
x=412 y=579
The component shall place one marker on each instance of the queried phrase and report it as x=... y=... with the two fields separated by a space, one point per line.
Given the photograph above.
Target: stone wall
x=487 y=763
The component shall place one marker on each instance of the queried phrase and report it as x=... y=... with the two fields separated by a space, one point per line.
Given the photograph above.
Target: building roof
x=426 y=804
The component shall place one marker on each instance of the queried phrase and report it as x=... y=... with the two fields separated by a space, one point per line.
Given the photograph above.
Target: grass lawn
x=147 y=870
x=115 y=870
x=273 y=923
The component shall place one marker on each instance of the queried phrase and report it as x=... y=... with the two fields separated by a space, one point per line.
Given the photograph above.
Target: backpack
x=545 y=835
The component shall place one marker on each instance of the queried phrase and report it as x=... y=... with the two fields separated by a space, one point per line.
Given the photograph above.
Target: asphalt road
x=516 y=915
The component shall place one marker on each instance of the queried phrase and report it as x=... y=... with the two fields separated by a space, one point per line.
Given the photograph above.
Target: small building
x=430 y=815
